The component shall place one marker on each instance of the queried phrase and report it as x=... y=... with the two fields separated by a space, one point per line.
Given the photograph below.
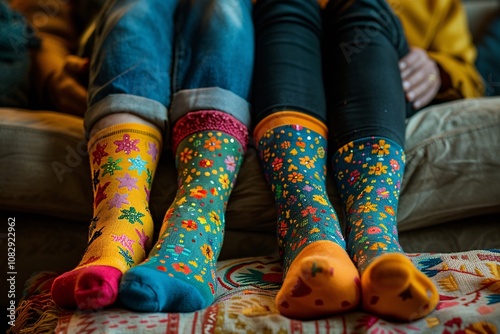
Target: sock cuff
x=289 y=118
x=136 y=128
x=204 y=120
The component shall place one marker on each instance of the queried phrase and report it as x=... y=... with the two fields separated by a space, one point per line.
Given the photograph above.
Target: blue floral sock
x=320 y=279
x=179 y=273
x=369 y=173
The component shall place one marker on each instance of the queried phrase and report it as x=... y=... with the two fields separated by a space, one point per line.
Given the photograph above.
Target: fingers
x=412 y=62
x=420 y=77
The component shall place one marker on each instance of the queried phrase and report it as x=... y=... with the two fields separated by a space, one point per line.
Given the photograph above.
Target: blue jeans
x=160 y=59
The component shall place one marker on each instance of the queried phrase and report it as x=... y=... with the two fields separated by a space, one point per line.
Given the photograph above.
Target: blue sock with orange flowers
x=179 y=273
x=369 y=173
x=320 y=278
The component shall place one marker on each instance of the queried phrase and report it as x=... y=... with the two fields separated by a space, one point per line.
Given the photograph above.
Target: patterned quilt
x=468 y=284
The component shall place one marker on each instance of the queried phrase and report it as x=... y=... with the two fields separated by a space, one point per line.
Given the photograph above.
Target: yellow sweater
x=441 y=28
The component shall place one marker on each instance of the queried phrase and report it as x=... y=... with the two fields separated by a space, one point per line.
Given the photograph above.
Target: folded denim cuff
x=150 y=110
x=212 y=98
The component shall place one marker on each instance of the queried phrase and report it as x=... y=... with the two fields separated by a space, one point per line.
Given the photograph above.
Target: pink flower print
x=125 y=241
x=143 y=238
x=99 y=153
x=394 y=164
x=128 y=182
x=117 y=201
x=178 y=249
x=354 y=177
x=383 y=193
x=297 y=127
x=153 y=150
x=307 y=188
x=230 y=163
x=373 y=230
x=126 y=144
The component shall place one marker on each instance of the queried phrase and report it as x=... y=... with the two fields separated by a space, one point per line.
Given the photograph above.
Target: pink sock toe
x=87 y=288
x=63 y=289
x=97 y=287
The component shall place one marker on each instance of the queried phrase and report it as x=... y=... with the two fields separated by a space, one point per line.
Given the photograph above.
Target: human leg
x=363 y=42
x=128 y=95
x=291 y=137
x=210 y=112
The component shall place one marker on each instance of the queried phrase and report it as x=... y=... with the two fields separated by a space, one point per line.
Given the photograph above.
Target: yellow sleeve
x=442 y=29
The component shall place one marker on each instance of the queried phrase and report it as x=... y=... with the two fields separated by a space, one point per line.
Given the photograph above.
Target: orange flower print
x=212 y=144
x=284 y=145
x=295 y=177
x=350 y=202
x=277 y=164
x=266 y=154
x=378 y=245
x=389 y=210
x=224 y=181
x=306 y=161
x=378 y=169
x=367 y=207
x=189 y=225
x=207 y=252
x=181 y=268
x=205 y=163
x=381 y=148
x=394 y=164
x=186 y=155
x=346 y=147
x=300 y=144
x=198 y=192
x=308 y=210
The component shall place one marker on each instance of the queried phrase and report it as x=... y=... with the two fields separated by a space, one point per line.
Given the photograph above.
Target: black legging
x=362 y=42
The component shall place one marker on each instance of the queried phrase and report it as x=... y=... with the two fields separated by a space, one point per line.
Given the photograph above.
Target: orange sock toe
x=321 y=281
x=393 y=287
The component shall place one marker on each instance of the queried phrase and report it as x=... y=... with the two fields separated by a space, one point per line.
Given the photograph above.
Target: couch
x=449 y=223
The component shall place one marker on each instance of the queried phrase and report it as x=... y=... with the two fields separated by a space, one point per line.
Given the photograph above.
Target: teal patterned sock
x=179 y=273
x=368 y=173
x=294 y=162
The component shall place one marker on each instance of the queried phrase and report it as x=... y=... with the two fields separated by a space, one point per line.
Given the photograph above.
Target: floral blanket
x=468 y=284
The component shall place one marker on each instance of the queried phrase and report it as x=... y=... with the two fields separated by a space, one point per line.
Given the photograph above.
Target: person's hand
x=421 y=77
x=66 y=87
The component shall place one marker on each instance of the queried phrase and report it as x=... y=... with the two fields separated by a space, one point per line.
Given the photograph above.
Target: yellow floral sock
x=123 y=161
